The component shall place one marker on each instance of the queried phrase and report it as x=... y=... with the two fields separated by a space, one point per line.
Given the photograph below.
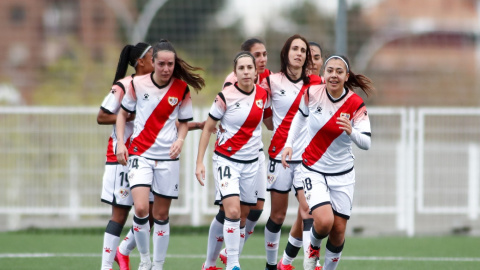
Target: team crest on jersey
x=271 y=178
x=346 y=115
x=259 y=103
x=124 y=193
x=173 y=101
x=224 y=185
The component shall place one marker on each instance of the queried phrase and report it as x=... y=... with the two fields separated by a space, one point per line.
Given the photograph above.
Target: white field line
x=249 y=257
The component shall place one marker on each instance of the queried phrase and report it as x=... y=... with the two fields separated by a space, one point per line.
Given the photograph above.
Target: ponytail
x=129 y=56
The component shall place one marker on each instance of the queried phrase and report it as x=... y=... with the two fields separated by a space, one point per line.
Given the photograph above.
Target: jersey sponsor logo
x=145 y=96
x=282 y=92
x=113 y=91
x=318 y=110
x=172 y=101
x=237 y=105
x=346 y=115
x=259 y=103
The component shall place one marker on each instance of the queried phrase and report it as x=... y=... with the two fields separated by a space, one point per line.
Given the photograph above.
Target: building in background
x=423 y=53
x=37 y=33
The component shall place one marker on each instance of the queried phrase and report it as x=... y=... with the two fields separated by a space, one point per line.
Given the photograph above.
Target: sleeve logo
x=173 y=101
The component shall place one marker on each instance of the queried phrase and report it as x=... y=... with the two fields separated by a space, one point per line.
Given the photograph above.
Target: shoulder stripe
x=220 y=94
x=120 y=85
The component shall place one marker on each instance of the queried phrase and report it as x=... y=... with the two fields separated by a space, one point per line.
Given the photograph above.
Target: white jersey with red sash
x=157 y=109
x=329 y=149
x=286 y=95
x=240 y=114
x=111 y=105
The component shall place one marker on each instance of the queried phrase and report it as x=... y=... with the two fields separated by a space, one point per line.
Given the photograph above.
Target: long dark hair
x=354 y=80
x=284 y=57
x=182 y=69
x=129 y=56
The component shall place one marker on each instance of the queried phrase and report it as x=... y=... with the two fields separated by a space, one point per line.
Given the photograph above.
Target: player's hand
x=344 y=124
x=176 y=148
x=122 y=154
x=286 y=154
x=200 y=173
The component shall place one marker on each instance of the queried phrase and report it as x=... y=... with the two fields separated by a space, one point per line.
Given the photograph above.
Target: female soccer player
x=286 y=89
x=300 y=231
x=158 y=99
x=336 y=118
x=116 y=189
x=239 y=108
x=257 y=48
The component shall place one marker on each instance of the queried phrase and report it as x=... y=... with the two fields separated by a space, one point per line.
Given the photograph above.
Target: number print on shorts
x=307 y=183
x=133 y=163
x=124 y=176
x=226 y=172
x=271 y=168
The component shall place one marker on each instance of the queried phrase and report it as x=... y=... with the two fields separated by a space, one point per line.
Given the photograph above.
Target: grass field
x=72 y=250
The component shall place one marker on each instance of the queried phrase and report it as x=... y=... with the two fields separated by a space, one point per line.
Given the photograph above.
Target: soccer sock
x=161 y=237
x=307 y=226
x=316 y=238
x=242 y=240
x=128 y=243
x=215 y=239
x=252 y=220
x=142 y=236
x=111 y=238
x=332 y=256
x=231 y=233
x=272 y=239
x=291 y=251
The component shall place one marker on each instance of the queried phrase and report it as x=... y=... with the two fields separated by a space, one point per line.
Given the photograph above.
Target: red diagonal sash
x=157 y=119
x=243 y=135
x=280 y=137
x=329 y=132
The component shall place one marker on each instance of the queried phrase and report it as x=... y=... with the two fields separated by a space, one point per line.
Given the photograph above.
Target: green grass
x=73 y=249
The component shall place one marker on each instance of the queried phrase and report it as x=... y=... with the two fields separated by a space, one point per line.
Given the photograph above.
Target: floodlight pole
x=341 y=28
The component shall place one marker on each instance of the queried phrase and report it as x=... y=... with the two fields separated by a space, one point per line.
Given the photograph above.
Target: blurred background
x=58 y=60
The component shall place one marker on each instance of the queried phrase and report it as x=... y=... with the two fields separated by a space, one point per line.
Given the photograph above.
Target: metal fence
x=421 y=175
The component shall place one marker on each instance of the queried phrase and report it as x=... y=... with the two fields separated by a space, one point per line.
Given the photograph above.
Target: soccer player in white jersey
x=116 y=189
x=335 y=117
x=286 y=89
x=301 y=227
x=158 y=99
x=239 y=108
x=215 y=236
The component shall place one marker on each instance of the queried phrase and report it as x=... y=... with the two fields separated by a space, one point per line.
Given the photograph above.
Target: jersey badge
x=173 y=101
x=145 y=96
x=318 y=110
x=346 y=115
x=113 y=91
x=271 y=178
x=259 y=103
x=123 y=193
x=282 y=92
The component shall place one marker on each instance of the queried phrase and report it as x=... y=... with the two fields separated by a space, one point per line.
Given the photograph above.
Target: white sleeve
x=298 y=122
x=363 y=141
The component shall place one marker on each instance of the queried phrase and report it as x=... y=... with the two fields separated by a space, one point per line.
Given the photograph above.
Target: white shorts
x=235 y=179
x=280 y=179
x=336 y=190
x=116 y=186
x=161 y=176
x=261 y=177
